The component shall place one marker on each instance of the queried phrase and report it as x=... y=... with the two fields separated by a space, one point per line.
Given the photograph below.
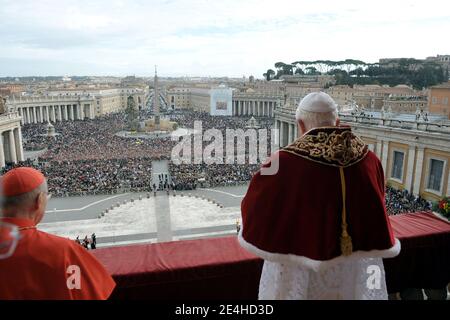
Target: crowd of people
x=402 y=201
x=92 y=139
x=86 y=177
x=88 y=243
x=189 y=176
x=87 y=157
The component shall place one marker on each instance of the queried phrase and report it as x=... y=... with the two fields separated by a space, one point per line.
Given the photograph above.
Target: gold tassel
x=346 y=243
x=346 y=240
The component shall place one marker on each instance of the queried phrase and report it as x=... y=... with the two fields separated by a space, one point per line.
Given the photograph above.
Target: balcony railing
x=218 y=268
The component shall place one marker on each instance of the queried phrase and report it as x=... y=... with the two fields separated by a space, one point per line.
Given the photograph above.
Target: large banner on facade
x=221 y=101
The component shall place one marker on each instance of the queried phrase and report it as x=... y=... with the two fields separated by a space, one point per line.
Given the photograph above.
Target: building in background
x=11 y=149
x=438 y=100
x=74 y=104
x=406 y=104
x=11 y=89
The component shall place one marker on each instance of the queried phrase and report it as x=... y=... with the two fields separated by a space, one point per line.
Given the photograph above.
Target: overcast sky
x=209 y=37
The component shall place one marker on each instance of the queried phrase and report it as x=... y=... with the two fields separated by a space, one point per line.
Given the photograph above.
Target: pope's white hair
x=314 y=119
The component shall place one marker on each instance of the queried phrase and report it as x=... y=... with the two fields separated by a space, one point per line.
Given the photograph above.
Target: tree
x=299 y=71
x=269 y=74
x=312 y=71
x=417 y=73
x=283 y=69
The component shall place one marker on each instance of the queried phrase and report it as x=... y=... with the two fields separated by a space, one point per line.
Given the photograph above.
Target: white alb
x=349 y=279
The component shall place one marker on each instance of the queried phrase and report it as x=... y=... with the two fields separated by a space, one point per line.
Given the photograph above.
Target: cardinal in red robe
x=35 y=264
x=319 y=221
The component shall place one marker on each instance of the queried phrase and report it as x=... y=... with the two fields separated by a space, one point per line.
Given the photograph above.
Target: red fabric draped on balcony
x=218 y=268
x=424 y=261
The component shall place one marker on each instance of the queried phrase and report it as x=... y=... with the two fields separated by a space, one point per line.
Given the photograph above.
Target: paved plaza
x=186 y=215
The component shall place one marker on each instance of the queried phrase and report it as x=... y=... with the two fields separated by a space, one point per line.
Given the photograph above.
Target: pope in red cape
x=321 y=214
x=41 y=265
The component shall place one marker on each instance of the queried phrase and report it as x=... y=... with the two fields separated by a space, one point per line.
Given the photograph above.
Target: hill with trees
x=417 y=73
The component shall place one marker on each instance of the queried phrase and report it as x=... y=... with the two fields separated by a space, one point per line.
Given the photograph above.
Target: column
x=282 y=133
x=410 y=168
x=378 y=148
x=69 y=108
x=418 y=171
x=448 y=183
x=41 y=113
x=34 y=115
x=47 y=113
x=290 y=133
x=52 y=114
x=278 y=127
x=64 y=112
x=36 y=112
x=18 y=144
x=91 y=111
x=12 y=146
x=384 y=158
x=81 y=114
x=21 y=115
x=29 y=120
x=60 y=116
x=2 y=151
x=55 y=112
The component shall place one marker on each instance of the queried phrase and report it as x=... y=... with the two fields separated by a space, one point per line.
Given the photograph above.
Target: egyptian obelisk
x=156 y=100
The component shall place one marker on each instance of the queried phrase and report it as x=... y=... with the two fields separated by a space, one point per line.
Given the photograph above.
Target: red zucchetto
x=20 y=180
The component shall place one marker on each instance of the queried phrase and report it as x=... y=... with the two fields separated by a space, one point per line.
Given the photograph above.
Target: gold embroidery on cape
x=338 y=147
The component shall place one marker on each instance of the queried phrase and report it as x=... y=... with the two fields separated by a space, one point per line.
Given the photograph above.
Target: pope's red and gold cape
x=325 y=203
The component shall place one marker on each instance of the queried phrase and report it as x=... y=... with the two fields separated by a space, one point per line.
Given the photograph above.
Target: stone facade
x=11 y=150
x=439 y=99
x=74 y=105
